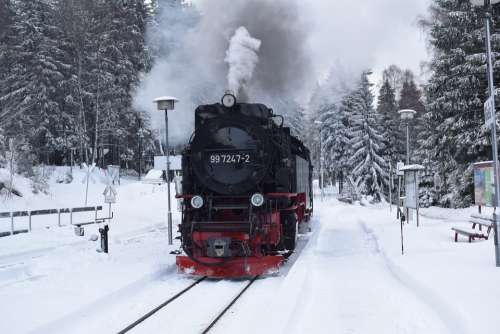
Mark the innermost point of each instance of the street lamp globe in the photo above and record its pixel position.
(407, 114)
(165, 102)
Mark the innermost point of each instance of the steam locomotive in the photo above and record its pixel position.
(246, 191)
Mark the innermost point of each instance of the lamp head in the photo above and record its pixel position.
(165, 102)
(407, 114)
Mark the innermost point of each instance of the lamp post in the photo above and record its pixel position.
(167, 103)
(320, 123)
(490, 108)
(406, 116)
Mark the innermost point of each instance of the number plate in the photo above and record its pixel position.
(229, 158)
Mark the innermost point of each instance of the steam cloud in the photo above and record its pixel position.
(242, 58)
(195, 70)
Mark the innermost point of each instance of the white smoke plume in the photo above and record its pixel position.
(242, 58)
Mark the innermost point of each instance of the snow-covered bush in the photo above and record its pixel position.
(64, 176)
(39, 180)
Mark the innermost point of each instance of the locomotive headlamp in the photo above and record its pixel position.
(257, 199)
(197, 202)
(228, 100)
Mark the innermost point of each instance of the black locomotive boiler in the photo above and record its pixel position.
(246, 191)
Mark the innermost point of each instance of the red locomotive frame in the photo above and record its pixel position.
(269, 235)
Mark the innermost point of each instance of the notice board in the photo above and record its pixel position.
(484, 184)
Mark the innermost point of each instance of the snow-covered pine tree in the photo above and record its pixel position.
(455, 96)
(369, 169)
(118, 57)
(31, 92)
(328, 104)
(293, 113)
(388, 111)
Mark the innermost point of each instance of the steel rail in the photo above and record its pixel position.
(159, 307)
(221, 314)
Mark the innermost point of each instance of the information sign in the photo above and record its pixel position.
(484, 184)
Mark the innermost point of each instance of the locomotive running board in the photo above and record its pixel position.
(237, 267)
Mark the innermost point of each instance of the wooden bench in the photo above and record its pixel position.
(476, 220)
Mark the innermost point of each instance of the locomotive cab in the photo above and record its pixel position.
(246, 188)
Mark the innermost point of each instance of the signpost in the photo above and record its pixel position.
(110, 194)
(489, 112)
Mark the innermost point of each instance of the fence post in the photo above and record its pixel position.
(71, 216)
(95, 216)
(11, 223)
(59, 217)
(29, 220)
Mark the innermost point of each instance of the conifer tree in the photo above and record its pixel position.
(387, 109)
(455, 96)
(32, 90)
(369, 169)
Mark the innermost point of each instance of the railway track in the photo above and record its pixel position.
(216, 319)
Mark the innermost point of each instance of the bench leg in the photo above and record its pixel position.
(470, 239)
(456, 237)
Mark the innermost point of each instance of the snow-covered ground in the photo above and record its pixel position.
(348, 275)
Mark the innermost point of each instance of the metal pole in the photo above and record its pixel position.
(398, 199)
(493, 134)
(12, 229)
(407, 142)
(407, 163)
(321, 162)
(169, 215)
(402, 238)
(390, 187)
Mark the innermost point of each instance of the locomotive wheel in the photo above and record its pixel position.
(290, 226)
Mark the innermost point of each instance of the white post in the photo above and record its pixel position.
(170, 241)
(491, 87)
(321, 163)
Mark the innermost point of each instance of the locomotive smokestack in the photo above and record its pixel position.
(242, 58)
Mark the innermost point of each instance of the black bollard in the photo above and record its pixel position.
(104, 238)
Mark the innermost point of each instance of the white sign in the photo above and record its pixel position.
(161, 162)
(109, 194)
(411, 189)
(399, 166)
(489, 112)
